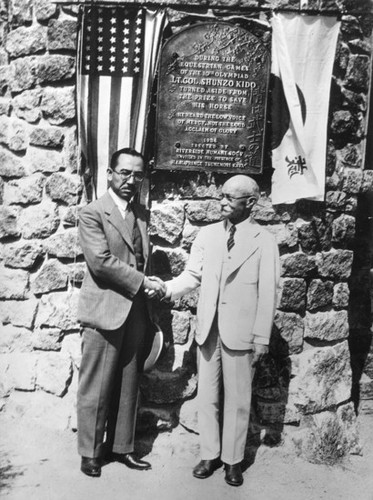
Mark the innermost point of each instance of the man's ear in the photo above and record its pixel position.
(250, 202)
(109, 173)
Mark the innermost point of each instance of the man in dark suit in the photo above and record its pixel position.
(114, 314)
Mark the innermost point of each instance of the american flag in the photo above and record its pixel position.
(118, 51)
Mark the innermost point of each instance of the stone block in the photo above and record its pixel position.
(351, 156)
(5, 106)
(24, 191)
(54, 373)
(21, 12)
(321, 378)
(58, 310)
(22, 74)
(188, 301)
(286, 236)
(203, 211)
(4, 79)
(14, 284)
(287, 336)
(39, 221)
(336, 200)
(329, 436)
(352, 180)
(44, 9)
(6, 386)
(335, 264)
(344, 127)
(54, 68)
(64, 244)
(69, 215)
(23, 253)
(9, 222)
(15, 339)
(43, 160)
(18, 313)
(263, 211)
(72, 346)
(326, 326)
(22, 371)
(10, 165)
(77, 271)
(50, 137)
(293, 294)
(343, 230)
(357, 73)
(297, 264)
(17, 136)
(341, 295)
(319, 294)
(64, 187)
(27, 105)
(71, 151)
(167, 221)
(168, 261)
(25, 41)
(52, 276)
(189, 235)
(62, 34)
(176, 326)
(307, 236)
(58, 105)
(366, 387)
(367, 181)
(165, 388)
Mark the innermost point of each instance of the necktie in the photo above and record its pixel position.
(230, 242)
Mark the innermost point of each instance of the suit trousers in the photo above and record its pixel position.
(108, 384)
(220, 367)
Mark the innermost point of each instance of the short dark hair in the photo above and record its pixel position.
(124, 151)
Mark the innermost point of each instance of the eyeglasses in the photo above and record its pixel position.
(126, 174)
(231, 199)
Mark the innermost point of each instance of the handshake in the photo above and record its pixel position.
(155, 287)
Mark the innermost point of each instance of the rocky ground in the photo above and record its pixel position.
(42, 464)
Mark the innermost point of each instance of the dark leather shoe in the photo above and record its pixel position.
(206, 468)
(233, 475)
(91, 466)
(131, 461)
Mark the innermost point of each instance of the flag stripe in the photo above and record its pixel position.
(125, 111)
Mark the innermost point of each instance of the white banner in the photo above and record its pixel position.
(303, 52)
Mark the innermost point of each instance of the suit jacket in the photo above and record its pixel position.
(246, 299)
(111, 280)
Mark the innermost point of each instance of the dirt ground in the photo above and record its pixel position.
(41, 464)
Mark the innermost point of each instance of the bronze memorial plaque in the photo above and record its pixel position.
(211, 110)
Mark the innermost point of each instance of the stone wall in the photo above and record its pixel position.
(305, 383)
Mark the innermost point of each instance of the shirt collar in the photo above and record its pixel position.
(240, 225)
(121, 204)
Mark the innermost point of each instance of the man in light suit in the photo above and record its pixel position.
(236, 264)
(114, 314)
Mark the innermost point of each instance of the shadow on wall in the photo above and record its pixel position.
(360, 304)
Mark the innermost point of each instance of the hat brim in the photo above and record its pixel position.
(155, 350)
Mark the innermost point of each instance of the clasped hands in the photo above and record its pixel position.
(154, 287)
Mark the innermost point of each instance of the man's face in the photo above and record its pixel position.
(235, 204)
(126, 177)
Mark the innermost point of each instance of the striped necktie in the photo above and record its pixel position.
(230, 242)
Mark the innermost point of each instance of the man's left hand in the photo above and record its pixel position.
(259, 351)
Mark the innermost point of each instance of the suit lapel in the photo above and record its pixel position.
(115, 218)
